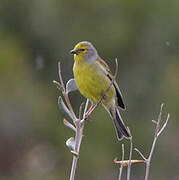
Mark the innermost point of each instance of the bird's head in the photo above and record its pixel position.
(85, 51)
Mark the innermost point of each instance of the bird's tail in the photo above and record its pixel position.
(120, 128)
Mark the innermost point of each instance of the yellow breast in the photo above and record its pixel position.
(92, 82)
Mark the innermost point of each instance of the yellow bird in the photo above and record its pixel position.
(93, 77)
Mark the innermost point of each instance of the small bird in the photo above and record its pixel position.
(93, 77)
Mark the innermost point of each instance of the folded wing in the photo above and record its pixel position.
(108, 73)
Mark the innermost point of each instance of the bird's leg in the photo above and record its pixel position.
(93, 106)
(90, 110)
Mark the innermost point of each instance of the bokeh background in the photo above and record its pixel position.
(36, 34)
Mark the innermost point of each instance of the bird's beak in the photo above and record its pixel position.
(74, 51)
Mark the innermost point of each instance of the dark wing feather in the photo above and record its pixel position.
(118, 94)
(110, 76)
(119, 97)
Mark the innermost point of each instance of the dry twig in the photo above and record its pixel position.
(121, 168)
(130, 157)
(158, 131)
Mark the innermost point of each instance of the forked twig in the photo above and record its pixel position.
(65, 94)
(158, 131)
(140, 154)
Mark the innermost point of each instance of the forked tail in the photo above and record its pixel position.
(120, 128)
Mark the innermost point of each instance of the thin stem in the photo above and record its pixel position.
(64, 91)
(116, 70)
(158, 121)
(73, 168)
(157, 133)
(60, 76)
(148, 160)
(86, 107)
(130, 157)
(78, 139)
(165, 124)
(140, 154)
(80, 111)
(121, 168)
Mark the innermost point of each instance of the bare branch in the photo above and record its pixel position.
(86, 107)
(130, 155)
(121, 168)
(125, 163)
(158, 121)
(80, 110)
(158, 131)
(72, 142)
(165, 124)
(143, 157)
(116, 70)
(58, 85)
(79, 124)
(60, 76)
(64, 91)
(69, 125)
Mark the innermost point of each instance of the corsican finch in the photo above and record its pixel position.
(93, 77)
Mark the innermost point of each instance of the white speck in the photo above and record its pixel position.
(39, 61)
(167, 43)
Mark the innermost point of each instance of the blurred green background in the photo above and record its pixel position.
(36, 34)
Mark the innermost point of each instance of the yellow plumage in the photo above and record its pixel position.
(93, 78)
(92, 82)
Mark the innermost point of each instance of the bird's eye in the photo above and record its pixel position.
(82, 49)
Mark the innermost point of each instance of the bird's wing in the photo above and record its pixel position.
(105, 66)
(108, 73)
